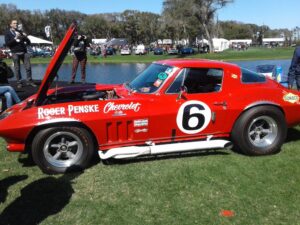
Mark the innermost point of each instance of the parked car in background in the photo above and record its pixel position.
(39, 52)
(158, 51)
(110, 51)
(172, 51)
(46, 53)
(125, 51)
(187, 51)
(140, 50)
(95, 51)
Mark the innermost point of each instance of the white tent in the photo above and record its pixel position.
(36, 40)
(268, 41)
(99, 41)
(244, 41)
(220, 44)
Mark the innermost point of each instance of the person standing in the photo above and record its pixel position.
(294, 70)
(17, 41)
(80, 45)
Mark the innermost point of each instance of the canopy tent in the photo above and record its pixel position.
(244, 41)
(99, 41)
(36, 40)
(117, 41)
(220, 44)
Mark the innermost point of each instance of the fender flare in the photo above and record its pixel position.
(59, 123)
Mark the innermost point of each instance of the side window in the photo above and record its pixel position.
(252, 77)
(203, 80)
(198, 80)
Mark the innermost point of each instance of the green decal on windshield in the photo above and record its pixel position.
(162, 76)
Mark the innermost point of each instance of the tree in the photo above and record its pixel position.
(60, 20)
(95, 26)
(180, 13)
(130, 25)
(237, 30)
(204, 11)
(176, 17)
(7, 12)
(149, 27)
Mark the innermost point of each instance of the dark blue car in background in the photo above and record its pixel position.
(187, 51)
(158, 51)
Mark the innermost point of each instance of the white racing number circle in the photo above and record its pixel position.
(193, 117)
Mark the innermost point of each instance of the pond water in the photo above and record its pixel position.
(120, 73)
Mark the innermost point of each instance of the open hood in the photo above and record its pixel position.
(55, 64)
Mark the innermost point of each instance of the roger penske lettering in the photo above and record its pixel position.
(70, 110)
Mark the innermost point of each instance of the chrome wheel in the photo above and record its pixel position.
(63, 149)
(263, 131)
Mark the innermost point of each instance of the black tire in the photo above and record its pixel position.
(62, 149)
(260, 131)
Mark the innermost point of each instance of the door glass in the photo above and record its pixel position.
(198, 80)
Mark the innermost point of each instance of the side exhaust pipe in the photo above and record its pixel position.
(152, 149)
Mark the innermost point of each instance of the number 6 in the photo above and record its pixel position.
(193, 117)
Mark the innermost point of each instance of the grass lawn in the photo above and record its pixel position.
(228, 55)
(179, 189)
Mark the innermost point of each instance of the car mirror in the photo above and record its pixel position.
(182, 92)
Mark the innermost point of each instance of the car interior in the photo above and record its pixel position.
(199, 80)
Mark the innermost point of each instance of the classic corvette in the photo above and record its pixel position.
(173, 106)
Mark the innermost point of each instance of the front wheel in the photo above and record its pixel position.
(260, 131)
(62, 149)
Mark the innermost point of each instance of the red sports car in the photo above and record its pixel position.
(173, 106)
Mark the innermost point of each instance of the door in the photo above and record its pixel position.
(200, 111)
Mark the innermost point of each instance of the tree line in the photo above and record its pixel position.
(180, 19)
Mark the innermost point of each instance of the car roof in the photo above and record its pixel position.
(183, 63)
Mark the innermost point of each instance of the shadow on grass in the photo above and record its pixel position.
(6, 183)
(39, 200)
(293, 134)
(26, 160)
(165, 157)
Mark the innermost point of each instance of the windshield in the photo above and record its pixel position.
(151, 79)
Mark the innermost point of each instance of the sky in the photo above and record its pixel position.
(273, 13)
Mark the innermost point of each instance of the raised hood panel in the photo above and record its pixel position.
(55, 64)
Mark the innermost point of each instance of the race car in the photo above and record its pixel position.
(175, 105)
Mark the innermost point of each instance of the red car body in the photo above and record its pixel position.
(121, 121)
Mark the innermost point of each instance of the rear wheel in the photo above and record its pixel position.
(260, 131)
(62, 149)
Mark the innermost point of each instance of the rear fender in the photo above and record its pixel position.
(256, 104)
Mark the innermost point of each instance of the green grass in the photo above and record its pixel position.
(228, 55)
(182, 189)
